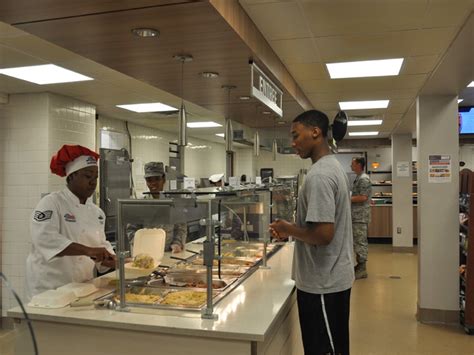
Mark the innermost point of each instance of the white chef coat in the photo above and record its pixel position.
(58, 220)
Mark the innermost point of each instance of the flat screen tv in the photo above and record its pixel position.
(466, 120)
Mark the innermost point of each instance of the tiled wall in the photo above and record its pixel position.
(32, 128)
(202, 158)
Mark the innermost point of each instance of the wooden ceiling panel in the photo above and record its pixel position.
(193, 28)
(21, 11)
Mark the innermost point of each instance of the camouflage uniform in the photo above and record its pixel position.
(361, 216)
(175, 233)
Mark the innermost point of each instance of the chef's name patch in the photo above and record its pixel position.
(69, 217)
(41, 216)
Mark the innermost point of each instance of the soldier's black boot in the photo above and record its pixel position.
(361, 271)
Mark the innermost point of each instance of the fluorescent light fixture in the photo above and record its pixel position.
(460, 100)
(44, 74)
(220, 135)
(148, 107)
(207, 124)
(366, 68)
(471, 85)
(362, 105)
(373, 133)
(364, 123)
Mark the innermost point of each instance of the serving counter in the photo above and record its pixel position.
(258, 317)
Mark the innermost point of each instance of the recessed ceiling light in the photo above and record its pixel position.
(364, 123)
(281, 122)
(145, 32)
(361, 105)
(460, 100)
(203, 124)
(266, 112)
(44, 74)
(220, 135)
(244, 98)
(366, 68)
(471, 84)
(209, 74)
(373, 133)
(148, 107)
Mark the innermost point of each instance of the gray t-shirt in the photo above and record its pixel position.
(324, 197)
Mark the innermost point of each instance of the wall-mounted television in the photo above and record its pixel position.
(466, 120)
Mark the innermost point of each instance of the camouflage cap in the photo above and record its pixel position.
(154, 168)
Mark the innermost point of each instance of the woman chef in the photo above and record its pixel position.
(67, 229)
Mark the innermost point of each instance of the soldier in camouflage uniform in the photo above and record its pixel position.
(361, 194)
(175, 233)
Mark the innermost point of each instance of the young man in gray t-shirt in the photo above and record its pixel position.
(322, 263)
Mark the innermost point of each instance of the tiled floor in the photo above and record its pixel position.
(383, 312)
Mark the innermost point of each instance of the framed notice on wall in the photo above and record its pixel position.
(439, 168)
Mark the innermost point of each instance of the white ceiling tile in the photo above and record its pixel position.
(308, 71)
(300, 50)
(279, 20)
(445, 13)
(350, 95)
(359, 86)
(386, 45)
(399, 106)
(420, 64)
(347, 17)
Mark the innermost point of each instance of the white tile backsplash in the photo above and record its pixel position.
(34, 127)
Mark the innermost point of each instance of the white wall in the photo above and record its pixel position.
(32, 128)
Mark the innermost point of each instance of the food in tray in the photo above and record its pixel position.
(229, 261)
(234, 270)
(185, 298)
(143, 261)
(139, 298)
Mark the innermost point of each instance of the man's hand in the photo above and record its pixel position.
(100, 255)
(176, 248)
(280, 229)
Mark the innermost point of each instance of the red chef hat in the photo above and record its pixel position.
(71, 158)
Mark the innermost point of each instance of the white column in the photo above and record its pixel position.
(438, 224)
(402, 201)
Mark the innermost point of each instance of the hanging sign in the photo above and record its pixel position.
(265, 90)
(439, 168)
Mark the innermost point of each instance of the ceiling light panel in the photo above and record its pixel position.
(460, 100)
(148, 107)
(358, 134)
(363, 69)
(471, 85)
(363, 105)
(208, 124)
(220, 135)
(364, 123)
(44, 74)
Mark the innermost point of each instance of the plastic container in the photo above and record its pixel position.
(79, 289)
(150, 241)
(52, 299)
